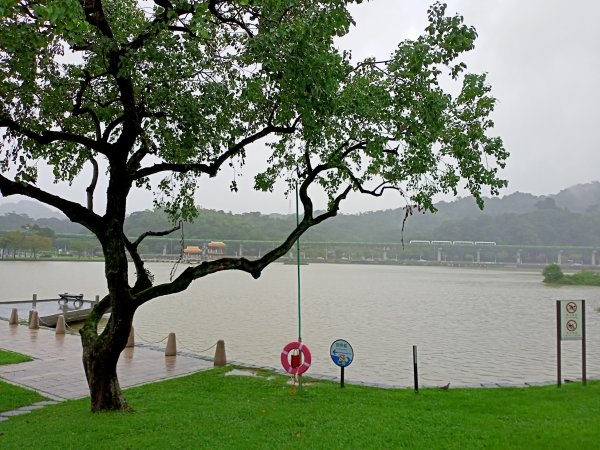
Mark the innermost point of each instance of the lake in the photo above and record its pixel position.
(471, 326)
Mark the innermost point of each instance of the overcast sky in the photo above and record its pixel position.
(542, 58)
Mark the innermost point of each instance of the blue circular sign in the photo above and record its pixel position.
(341, 353)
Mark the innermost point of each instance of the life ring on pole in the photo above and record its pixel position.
(299, 369)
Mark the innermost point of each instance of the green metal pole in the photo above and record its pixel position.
(298, 267)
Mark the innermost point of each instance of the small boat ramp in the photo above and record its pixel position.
(72, 306)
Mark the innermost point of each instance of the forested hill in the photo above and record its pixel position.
(571, 217)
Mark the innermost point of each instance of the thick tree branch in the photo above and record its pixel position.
(101, 308)
(166, 4)
(358, 146)
(213, 168)
(143, 280)
(111, 126)
(375, 192)
(146, 147)
(213, 8)
(167, 15)
(75, 212)
(254, 267)
(92, 187)
(179, 29)
(79, 110)
(94, 15)
(370, 63)
(48, 136)
(143, 236)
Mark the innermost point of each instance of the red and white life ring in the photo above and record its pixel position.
(307, 358)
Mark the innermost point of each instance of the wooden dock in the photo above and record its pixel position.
(78, 315)
(73, 309)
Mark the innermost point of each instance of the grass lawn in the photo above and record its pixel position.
(7, 357)
(13, 397)
(210, 410)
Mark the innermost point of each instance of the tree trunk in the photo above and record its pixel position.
(100, 357)
(100, 364)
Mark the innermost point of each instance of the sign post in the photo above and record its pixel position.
(342, 355)
(415, 369)
(570, 326)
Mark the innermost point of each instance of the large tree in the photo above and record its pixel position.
(158, 94)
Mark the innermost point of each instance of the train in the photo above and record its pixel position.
(424, 242)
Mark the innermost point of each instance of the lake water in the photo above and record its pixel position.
(471, 326)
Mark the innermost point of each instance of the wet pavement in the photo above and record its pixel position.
(57, 371)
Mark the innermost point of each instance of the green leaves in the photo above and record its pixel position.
(180, 91)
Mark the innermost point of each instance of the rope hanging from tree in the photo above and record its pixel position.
(181, 252)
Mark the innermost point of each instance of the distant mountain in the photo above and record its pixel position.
(30, 208)
(570, 217)
(579, 198)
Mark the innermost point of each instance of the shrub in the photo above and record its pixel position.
(552, 273)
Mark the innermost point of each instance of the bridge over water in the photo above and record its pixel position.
(560, 254)
(440, 251)
(431, 251)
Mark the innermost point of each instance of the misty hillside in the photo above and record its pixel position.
(33, 209)
(570, 217)
(579, 198)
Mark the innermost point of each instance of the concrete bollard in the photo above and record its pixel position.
(34, 320)
(130, 339)
(171, 349)
(60, 325)
(220, 357)
(14, 317)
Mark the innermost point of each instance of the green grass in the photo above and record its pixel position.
(553, 274)
(13, 397)
(7, 357)
(581, 279)
(210, 410)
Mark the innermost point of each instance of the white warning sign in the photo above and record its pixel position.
(571, 320)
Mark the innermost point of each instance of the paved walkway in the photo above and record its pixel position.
(57, 370)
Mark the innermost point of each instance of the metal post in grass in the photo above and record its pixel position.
(415, 369)
(298, 277)
(570, 326)
(583, 346)
(342, 355)
(558, 355)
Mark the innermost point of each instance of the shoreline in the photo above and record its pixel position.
(410, 263)
(319, 376)
(350, 381)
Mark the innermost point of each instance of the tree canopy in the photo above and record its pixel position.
(157, 94)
